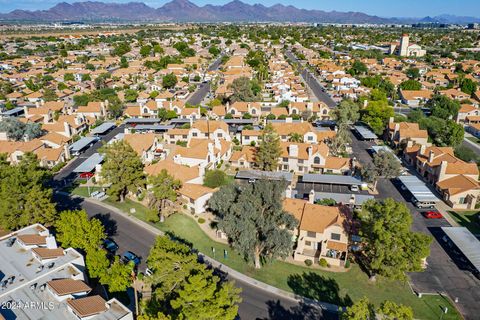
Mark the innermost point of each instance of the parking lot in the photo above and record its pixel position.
(305, 188)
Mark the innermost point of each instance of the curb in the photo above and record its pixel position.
(233, 273)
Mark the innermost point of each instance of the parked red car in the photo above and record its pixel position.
(86, 175)
(433, 215)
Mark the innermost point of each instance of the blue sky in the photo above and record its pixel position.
(385, 8)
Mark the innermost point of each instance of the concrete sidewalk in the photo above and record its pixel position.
(216, 264)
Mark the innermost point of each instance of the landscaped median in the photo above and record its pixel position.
(339, 288)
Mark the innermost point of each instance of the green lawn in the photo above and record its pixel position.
(468, 219)
(338, 288)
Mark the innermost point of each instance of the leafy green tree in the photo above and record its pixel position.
(121, 48)
(387, 165)
(269, 149)
(254, 220)
(413, 73)
(392, 311)
(338, 144)
(202, 296)
(75, 229)
(131, 95)
(118, 276)
(49, 95)
(443, 107)
(346, 112)
(410, 85)
(145, 51)
(468, 86)
(164, 189)
(214, 51)
(97, 262)
(169, 80)
(357, 68)
(391, 249)
(25, 197)
(122, 168)
(215, 178)
(165, 114)
(376, 115)
(295, 137)
(443, 132)
(123, 62)
(171, 264)
(32, 131)
(244, 90)
(86, 77)
(14, 128)
(360, 310)
(68, 77)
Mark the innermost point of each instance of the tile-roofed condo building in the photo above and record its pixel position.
(49, 280)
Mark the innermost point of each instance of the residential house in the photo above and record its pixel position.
(400, 132)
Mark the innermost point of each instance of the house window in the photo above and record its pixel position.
(294, 111)
(247, 138)
(219, 135)
(308, 243)
(285, 159)
(194, 134)
(232, 111)
(336, 236)
(316, 160)
(311, 234)
(284, 137)
(184, 136)
(285, 167)
(254, 111)
(310, 138)
(300, 161)
(242, 163)
(461, 200)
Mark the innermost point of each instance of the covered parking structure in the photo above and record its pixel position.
(264, 175)
(90, 164)
(326, 183)
(103, 129)
(420, 192)
(365, 133)
(466, 242)
(82, 145)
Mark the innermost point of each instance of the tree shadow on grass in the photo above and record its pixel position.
(302, 311)
(317, 287)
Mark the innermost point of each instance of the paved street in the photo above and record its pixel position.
(257, 303)
(313, 83)
(67, 172)
(442, 274)
(203, 89)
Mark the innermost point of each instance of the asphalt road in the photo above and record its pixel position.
(257, 303)
(67, 175)
(444, 273)
(204, 88)
(313, 83)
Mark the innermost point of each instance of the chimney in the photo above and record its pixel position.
(310, 106)
(67, 129)
(443, 168)
(311, 196)
(288, 192)
(37, 104)
(293, 150)
(210, 148)
(51, 242)
(67, 152)
(431, 156)
(422, 149)
(391, 120)
(409, 143)
(310, 151)
(217, 144)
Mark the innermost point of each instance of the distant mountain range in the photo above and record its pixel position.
(186, 11)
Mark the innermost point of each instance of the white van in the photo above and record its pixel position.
(423, 204)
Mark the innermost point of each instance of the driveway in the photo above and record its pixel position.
(442, 275)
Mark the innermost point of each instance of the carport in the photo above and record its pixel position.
(326, 183)
(82, 144)
(103, 128)
(267, 175)
(466, 242)
(365, 133)
(418, 189)
(89, 164)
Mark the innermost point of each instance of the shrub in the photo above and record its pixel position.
(347, 264)
(308, 262)
(152, 216)
(323, 263)
(201, 220)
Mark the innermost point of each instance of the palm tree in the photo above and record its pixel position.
(296, 137)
